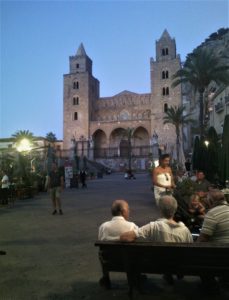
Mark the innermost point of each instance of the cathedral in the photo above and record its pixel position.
(95, 126)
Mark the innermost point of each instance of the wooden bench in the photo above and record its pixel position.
(197, 259)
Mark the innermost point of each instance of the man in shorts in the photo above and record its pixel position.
(55, 186)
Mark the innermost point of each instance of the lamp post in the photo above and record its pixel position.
(206, 143)
(155, 147)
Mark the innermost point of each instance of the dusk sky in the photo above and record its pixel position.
(37, 38)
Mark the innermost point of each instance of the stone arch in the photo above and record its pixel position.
(118, 142)
(141, 137)
(100, 142)
(116, 136)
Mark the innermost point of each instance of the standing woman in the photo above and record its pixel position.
(163, 178)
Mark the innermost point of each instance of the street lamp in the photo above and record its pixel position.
(206, 143)
(24, 146)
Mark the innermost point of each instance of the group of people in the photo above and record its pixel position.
(164, 183)
(214, 221)
(165, 229)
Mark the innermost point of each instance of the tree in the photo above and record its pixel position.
(195, 154)
(21, 135)
(175, 116)
(212, 166)
(51, 137)
(129, 134)
(202, 67)
(224, 153)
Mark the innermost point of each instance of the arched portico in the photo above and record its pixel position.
(100, 143)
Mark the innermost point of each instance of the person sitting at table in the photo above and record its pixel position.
(202, 188)
(196, 211)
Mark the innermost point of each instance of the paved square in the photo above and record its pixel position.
(53, 257)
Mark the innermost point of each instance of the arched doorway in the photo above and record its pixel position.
(100, 143)
(141, 142)
(118, 142)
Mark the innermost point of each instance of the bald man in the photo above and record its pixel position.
(111, 230)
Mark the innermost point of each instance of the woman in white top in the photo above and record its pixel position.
(163, 178)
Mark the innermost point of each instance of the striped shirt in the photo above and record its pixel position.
(216, 224)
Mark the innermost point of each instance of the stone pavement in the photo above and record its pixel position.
(53, 257)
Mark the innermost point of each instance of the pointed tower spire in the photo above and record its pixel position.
(165, 35)
(81, 51)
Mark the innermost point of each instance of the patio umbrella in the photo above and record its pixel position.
(224, 153)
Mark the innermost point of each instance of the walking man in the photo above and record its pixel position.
(55, 186)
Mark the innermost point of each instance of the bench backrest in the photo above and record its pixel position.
(148, 257)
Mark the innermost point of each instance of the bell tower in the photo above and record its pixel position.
(81, 89)
(162, 69)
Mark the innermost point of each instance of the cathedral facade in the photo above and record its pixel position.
(96, 125)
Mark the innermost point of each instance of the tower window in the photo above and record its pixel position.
(75, 117)
(77, 66)
(164, 51)
(76, 85)
(165, 74)
(75, 100)
(165, 91)
(165, 107)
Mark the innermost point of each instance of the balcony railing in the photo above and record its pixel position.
(219, 107)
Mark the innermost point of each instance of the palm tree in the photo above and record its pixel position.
(202, 67)
(129, 134)
(175, 116)
(21, 135)
(51, 137)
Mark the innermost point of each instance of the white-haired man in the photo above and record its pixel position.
(165, 229)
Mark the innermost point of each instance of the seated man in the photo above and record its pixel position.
(202, 188)
(165, 229)
(216, 222)
(111, 230)
(215, 229)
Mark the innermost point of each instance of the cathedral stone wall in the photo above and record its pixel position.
(103, 121)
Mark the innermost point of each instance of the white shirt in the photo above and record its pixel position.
(164, 231)
(111, 230)
(5, 182)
